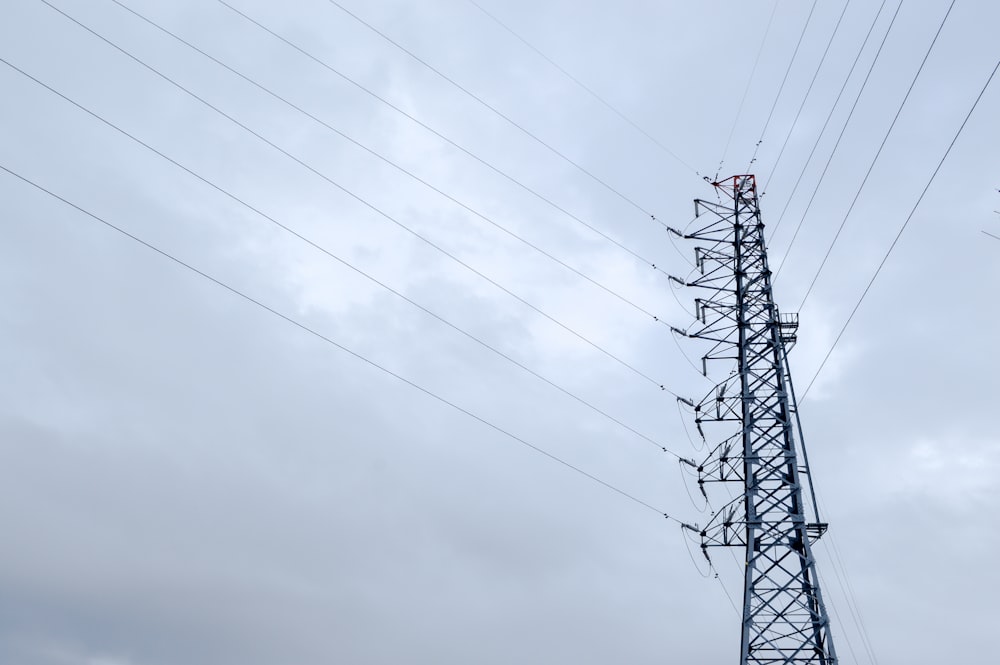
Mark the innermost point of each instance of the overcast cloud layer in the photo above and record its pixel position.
(188, 479)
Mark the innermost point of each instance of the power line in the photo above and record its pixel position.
(871, 166)
(784, 79)
(991, 235)
(829, 117)
(840, 573)
(487, 105)
(854, 598)
(728, 595)
(332, 342)
(452, 143)
(371, 206)
(746, 90)
(902, 228)
(841, 622)
(391, 163)
(584, 86)
(849, 594)
(343, 261)
(836, 144)
(850, 598)
(819, 67)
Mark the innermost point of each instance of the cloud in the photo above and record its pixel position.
(187, 478)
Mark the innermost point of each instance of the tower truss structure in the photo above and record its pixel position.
(752, 418)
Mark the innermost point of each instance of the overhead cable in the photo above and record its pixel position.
(871, 166)
(583, 86)
(489, 106)
(746, 90)
(855, 617)
(770, 115)
(836, 145)
(829, 116)
(391, 163)
(899, 234)
(344, 262)
(541, 197)
(852, 599)
(371, 206)
(805, 98)
(329, 340)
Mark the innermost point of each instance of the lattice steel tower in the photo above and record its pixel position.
(753, 416)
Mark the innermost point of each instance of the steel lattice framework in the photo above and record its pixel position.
(752, 413)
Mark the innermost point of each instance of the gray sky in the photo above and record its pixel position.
(188, 479)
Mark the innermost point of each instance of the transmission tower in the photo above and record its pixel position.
(753, 416)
